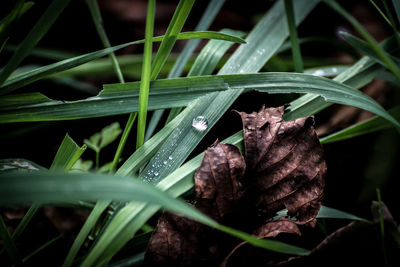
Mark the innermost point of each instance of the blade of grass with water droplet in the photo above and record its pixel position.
(206, 19)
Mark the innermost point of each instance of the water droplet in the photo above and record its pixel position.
(200, 123)
(318, 73)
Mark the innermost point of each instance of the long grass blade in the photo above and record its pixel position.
(396, 5)
(98, 22)
(365, 48)
(50, 187)
(296, 53)
(368, 126)
(146, 74)
(34, 36)
(123, 98)
(9, 244)
(67, 154)
(90, 222)
(368, 38)
(17, 81)
(357, 76)
(168, 89)
(40, 249)
(208, 16)
(7, 23)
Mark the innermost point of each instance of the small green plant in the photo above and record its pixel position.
(125, 193)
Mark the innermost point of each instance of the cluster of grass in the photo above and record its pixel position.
(115, 191)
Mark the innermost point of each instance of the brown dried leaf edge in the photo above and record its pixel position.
(285, 169)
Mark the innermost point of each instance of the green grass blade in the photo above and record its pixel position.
(122, 142)
(368, 38)
(211, 54)
(331, 213)
(25, 221)
(85, 230)
(357, 76)
(7, 23)
(175, 92)
(38, 31)
(51, 187)
(396, 5)
(208, 16)
(382, 226)
(381, 12)
(28, 77)
(135, 260)
(44, 53)
(368, 126)
(146, 74)
(98, 22)
(9, 244)
(296, 53)
(67, 154)
(149, 148)
(327, 71)
(204, 64)
(40, 249)
(174, 28)
(366, 50)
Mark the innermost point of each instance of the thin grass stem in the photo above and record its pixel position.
(146, 73)
(294, 40)
(382, 225)
(98, 22)
(368, 38)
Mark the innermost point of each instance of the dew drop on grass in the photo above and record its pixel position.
(200, 123)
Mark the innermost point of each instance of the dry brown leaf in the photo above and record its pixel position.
(287, 164)
(285, 169)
